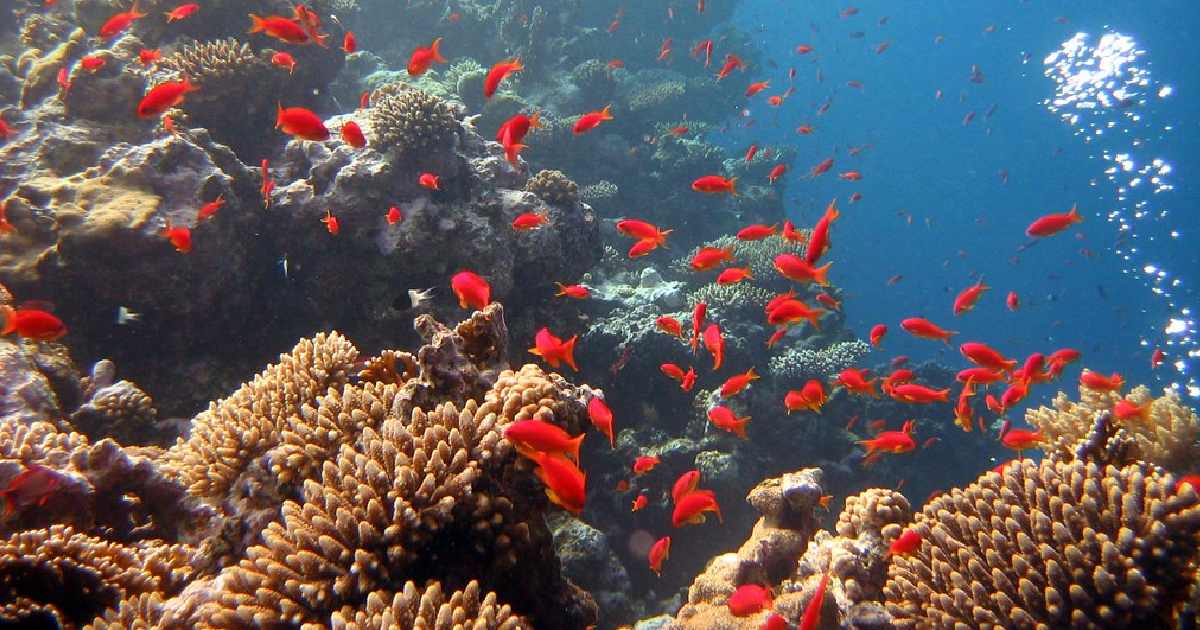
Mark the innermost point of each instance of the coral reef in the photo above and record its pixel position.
(411, 122)
(801, 363)
(1167, 436)
(553, 187)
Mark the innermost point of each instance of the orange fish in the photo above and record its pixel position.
(678, 131)
(31, 323)
(963, 413)
(823, 166)
(1156, 358)
(877, 333)
(734, 275)
(1127, 410)
(804, 130)
(737, 383)
(352, 135)
(723, 418)
(1060, 359)
(639, 503)
(818, 241)
(531, 436)
(669, 325)
(775, 100)
(394, 215)
(659, 551)
(499, 71)
(690, 508)
(715, 184)
(810, 397)
(979, 375)
(423, 58)
(162, 97)
(795, 268)
(791, 312)
(472, 290)
(591, 120)
(179, 237)
(776, 172)
(984, 355)
(689, 380)
(791, 234)
(905, 544)
(554, 350)
(698, 313)
(147, 56)
(430, 181)
(210, 209)
(919, 394)
(850, 176)
(828, 300)
(32, 486)
(732, 62)
(687, 483)
(714, 342)
(182, 12)
(121, 21)
(709, 258)
(645, 464)
(969, 296)
(664, 51)
(757, 232)
(1052, 224)
(267, 183)
(349, 42)
(5, 226)
(282, 28)
(673, 371)
(895, 378)
(284, 60)
(573, 291)
(531, 220)
(63, 79)
(515, 128)
(894, 442)
(602, 418)
(643, 247)
(566, 485)
(92, 63)
(748, 599)
(642, 230)
(921, 327)
(1032, 371)
(1100, 382)
(812, 610)
(1021, 439)
(1013, 302)
(757, 87)
(856, 381)
(331, 223)
(301, 123)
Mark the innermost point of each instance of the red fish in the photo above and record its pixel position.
(566, 485)
(698, 313)
(352, 135)
(1156, 358)
(554, 350)
(573, 291)
(642, 248)
(731, 63)
(829, 300)
(1060, 359)
(714, 342)
(349, 42)
(659, 551)
(639, 503)
(147, 56)
(794, 268)
(968, 297)
(963, 412)
(182, 12)
(734, 385)
(5, 226)
(669, 325)
(979, 375)
(822, 167)
(92, 63)
(498, 73)
(709, 258)
(877, 333)
(591, 120)
(804, 130)
(282, 28)
(642, 230)
(1021, 439)
(645, 464)
(513, 130)
(1100, 382)
(715, 184)
(284, 60)
(1051, 224)
(32, 486)
(267, 183)
(908, 542)
(64, 79)
(664, 51)
(984, 355)
(472, 290)
(32, 323)
(803, 49)
(775, 100)
(533, 436)
(818, 241)
(430, 181)
(757, 87)
(689, 380)
(678, 131)
(751, 152)
(394, 215)
(209, 209)
(791, 234)
(723, 418)
(423, 58)
(748, 599)
(812, 610)
(921, 327)
(894, 442)
(331, 223)
(530, 220)
(850, 176)
(919, 394)
(756, 232)
(673, 371)
(789, 312)
(1188, 480)
(810, 397)
(162, 97)
(301, 123)
(857, 382)
(734, 275)
(687, 483)
(776, 172)
(690, 508)
(1013, 302)
(1126, 410)
(602, 418)
(1032, 371)
(706, 47)
(179, 237)
(121, 21)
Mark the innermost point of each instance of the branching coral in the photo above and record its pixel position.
(743, 301)
(431, 608)
(553, 187)
(411, 122)
(1167, 437)
(758, 255)
(806, 363)
(1050, 544)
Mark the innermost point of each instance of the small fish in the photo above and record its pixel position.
(573, 291)
(591, 120)
(602, 418)
(1100, 382)
(533, 436)
(639, 503)
(499, 71)
(736, 384)
(748, 599)
(1013, 302)
(209, 210)
(530, 220)
(554, 350)
(472, 290)
(709, 258)
(686, 483)
(691, 507)
(906, 543)
(645, 464)
(352, 135)
(818, 241)
(850, 176)
(349, 42)
(64, 79)
(915, 394)
(118, 23)
(32, 486)
(734, 275)
(714, 342)
(723, 418)
(394, 215)
(423, 58)
(429, 180)
(921, 327)
(757, 232)
(566, 484)
(182, 12)
(669, 325)
(755, 88)
(1156, 358)
(812, 610)
(301, 123)
(162, 97)
(659, 552)
(126, 315)
(810, 397)
(180, 237)
(894, 442)
(715, 184)
(31, 323)
(284, 60)
(797, 269)
(776, 172)
(877, 333)
(1126, 410)
(1021, 439)
(856, 381)
(968, 297)
(92, 63)
(331, 223)
(147, 56)
(1051, 224)
(282, 28)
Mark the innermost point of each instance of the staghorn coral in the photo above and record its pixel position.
(430, 607)
(553, 187)
(598, 191)
(121, 411)
(1168, 437)
(806, 363)
(411, 122)
(1050, 544)
(743, 301)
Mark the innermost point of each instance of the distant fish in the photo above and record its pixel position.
(125, 316)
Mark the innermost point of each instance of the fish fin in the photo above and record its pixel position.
(435, 48)
(575, 444)
(821, 274)
(733, 186)
(256, 24)
(10, 319)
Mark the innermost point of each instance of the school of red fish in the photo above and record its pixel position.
(992, 375)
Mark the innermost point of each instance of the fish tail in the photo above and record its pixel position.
(815, 320)
(606, 113)
(10, 320)
(435, 48)
(512, 151)
(821, 274)
(256, 24)
(1073, 214)
(574, 446)
(733, 186)
(568, 352)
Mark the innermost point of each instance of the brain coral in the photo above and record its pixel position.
(1050, 545)
(410, 121)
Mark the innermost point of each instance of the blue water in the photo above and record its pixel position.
(923, 162)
